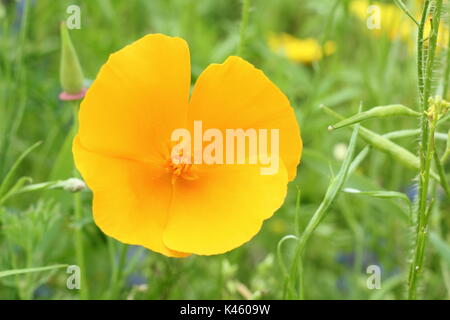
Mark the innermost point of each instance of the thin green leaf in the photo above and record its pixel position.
(8, 273)
(7, 180)
(358, 159)
(382, 194)
(402, 6)
(15, 189)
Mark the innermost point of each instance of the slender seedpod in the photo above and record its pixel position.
(397, 152)
(391, 148)
(383, 194)
(71, 73)
(377, 112)
(381, 143)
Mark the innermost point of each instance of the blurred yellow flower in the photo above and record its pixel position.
(443, 34)
(295, 49)
(393, 22)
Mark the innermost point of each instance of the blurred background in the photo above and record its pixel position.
(317, 52)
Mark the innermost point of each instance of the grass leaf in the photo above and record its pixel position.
(9, 176)
(13, 272)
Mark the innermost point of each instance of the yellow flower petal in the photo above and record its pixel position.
(236, 95)
(131, 199)
(139, 97)
(222, 209)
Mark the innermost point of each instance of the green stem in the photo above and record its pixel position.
(113, 264)
(244, 23)
(333, 190)
(423, 218)
(431, 54)
(78, 217)
(301, 280)
(420, 52)
(118, 280)
(79, 247)
(426, 146)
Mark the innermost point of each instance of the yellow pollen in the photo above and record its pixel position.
(180, 167)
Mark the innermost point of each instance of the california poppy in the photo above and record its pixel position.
(123, 149)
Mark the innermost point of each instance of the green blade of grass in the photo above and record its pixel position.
(383, 194)
(13, 272)
(9, 176)
(402, 6)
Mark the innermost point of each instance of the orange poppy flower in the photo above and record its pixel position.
(123, 149)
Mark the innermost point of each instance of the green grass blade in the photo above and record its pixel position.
(402, 6)
(14, 272)
(382, 194)
(9, 176)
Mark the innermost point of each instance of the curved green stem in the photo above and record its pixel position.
(428, 127)
(333, 191)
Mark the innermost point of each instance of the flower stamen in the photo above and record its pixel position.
(180, 165)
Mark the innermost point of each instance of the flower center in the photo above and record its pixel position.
(181, 166)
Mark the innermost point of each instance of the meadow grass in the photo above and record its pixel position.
(373, 191)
